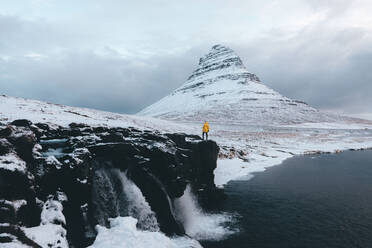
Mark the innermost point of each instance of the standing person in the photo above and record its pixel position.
(205, 130)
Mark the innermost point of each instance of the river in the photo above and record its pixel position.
(315, 201)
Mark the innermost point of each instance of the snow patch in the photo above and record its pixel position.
(50, 232)
(49, 235)
(51, 160)
(12, 162)
(124, 233)
(235, 169)
(52, 213)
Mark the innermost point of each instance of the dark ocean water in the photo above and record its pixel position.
(309, 201)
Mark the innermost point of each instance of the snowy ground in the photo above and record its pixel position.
(256, 148)
(12, 108)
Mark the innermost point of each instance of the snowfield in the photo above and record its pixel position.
(12, 108)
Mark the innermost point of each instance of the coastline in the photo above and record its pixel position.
(237, 169)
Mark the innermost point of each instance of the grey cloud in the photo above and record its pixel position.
(122, 57)
(333, 7)
(78, 75)
(86, 79)
(327, 68)
(19, 36)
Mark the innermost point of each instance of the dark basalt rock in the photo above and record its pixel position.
(37, 131)
(120, 154)
(14, 185)
(208, 152)
(43, 126)
(7, 212)
(6, 131)
(24, 145)
(156, 195)
(5, 146)
(113, 137)
(83, 162)
(77, 125)
(21, 123)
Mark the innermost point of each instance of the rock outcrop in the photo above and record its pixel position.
(71, 179)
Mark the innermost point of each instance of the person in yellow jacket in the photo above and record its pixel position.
(205, 130)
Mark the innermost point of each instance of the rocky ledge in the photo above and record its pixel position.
(63, 181)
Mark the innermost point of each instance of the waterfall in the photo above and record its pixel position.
(199, 224)
(115, 195)
(137, 206)
(104, 197)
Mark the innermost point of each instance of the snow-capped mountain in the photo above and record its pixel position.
(221, 89)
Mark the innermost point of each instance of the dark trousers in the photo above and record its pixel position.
(206, 135)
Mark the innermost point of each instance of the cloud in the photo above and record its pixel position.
(86, 79)
(322, 63)
(122, 56)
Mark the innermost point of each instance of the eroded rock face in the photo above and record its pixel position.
(85, 170)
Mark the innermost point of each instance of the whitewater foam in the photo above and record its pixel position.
(199, 224)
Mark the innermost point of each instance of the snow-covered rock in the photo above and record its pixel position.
(221, 89)
(50, 232)
(48, 235)
(13, 163)
(52, 213)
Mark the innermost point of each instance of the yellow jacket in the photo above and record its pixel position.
(205, 127)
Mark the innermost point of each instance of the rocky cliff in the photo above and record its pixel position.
(61, 182)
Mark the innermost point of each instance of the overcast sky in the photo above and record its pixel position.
(121, 55)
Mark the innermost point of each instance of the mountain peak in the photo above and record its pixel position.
(221, 89)
(220, 60)
(220, 53)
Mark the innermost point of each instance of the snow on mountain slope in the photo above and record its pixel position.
(221, 89)
(12, 108)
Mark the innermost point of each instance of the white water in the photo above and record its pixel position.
(199, 224)
(104, 196)
(137, 204)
